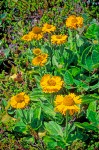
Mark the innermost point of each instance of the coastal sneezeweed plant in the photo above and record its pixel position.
(51, 84)
(66, 105)
(20, 100)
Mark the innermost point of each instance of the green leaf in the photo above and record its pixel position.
(91, 113)
(50, 142)
(53, 128)
(37, 113)
(54, 60)
(96, 86)
(89, 98)
(75, 71)
(68, 78)
(85, 52)
(79, 40)
(86, 126)
(49, 110)
(89, 63)
(20, 127)
(92, 31)
(95, 57)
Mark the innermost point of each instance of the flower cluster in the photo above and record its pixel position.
(20, 100)
(51, 84)
(35, 34)
(40, 59)
(74, 22)
(67, 103)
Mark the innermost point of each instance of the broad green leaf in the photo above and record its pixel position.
(49, 110)
(20, 127)
(79, 40)
(95, 57)
(86, 126)
(50, 142)
(53, 128)
(89, 63)
(54, 60)
(75, 71)
(68, 78)
(92, 31)
(37, 113)
(96, 86)
(91, 112)
(85, 52)
(89, 98)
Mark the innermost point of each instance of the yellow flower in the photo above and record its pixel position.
(27, 37)
(79, 21)
(58, 39)
(67, 103)
(20, 100)
(40, 60)
(51, 84)
(37, 51)
(47, 28)
(36, 33)
(73, 22)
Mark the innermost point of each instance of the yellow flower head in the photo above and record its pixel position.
(40, 60)
(73, 22)
(67, 103)
(51, 84)
(37, 51)
(36, 33)
(47, 28)
(27, 37)
(58, 39)
(79, 21)
(20, 100)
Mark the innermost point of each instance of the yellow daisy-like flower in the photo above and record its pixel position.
(40, 60)
(37, 51)
(79, 21)
(73, 22)
(67, 103)
(20, 100)
(37, 33)
(51, 84)
(47, 28)
(27, 37)
(58, 39)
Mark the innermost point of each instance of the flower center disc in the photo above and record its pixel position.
(58, 37)
(68, 101)
(37, 30)
(19, 98)
(51, 82)
(48, 26)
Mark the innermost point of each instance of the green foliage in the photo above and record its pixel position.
(39, 126)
